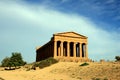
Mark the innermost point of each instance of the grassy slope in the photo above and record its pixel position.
(94, 71)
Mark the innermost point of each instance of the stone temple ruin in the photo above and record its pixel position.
(66, 46)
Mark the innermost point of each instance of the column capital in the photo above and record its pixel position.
(55, 41)
(68, 41)
(86, 43)
(62, 41)
(74, 43)
(81, 42)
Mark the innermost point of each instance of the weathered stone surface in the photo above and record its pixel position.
(66, 46)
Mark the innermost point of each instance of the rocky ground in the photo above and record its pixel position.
(66, 71)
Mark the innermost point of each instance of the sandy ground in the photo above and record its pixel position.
(66, 71)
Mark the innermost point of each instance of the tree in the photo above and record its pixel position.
(5, 62)
(117, 58)
(16, 59)
(13, 61)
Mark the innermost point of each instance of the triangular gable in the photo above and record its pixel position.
(70, 34)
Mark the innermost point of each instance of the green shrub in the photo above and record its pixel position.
(1, 78)
(117, 58)
(96, 79)
(28, 69)
(13, 61)
(84, 64)
(105, 79)
(45, 63)
(5, 62)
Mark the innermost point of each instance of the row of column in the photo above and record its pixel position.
(45, 51)
(72, 49)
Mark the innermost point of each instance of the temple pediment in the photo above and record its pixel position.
(70, 34)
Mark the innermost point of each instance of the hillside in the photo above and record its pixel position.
(67, 71)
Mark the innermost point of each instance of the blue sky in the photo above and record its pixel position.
(26, 24)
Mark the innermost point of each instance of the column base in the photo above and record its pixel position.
(72, 59)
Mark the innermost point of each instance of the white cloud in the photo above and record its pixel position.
(32, 25)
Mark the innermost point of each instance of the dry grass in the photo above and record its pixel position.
(67, 71)
(94, 71)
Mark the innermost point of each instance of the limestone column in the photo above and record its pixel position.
(74, 49)
(50, 50)
(86, 48)
(59, 51)
(80, 45)
(68, 49)
(55, 48)
(61, 46)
